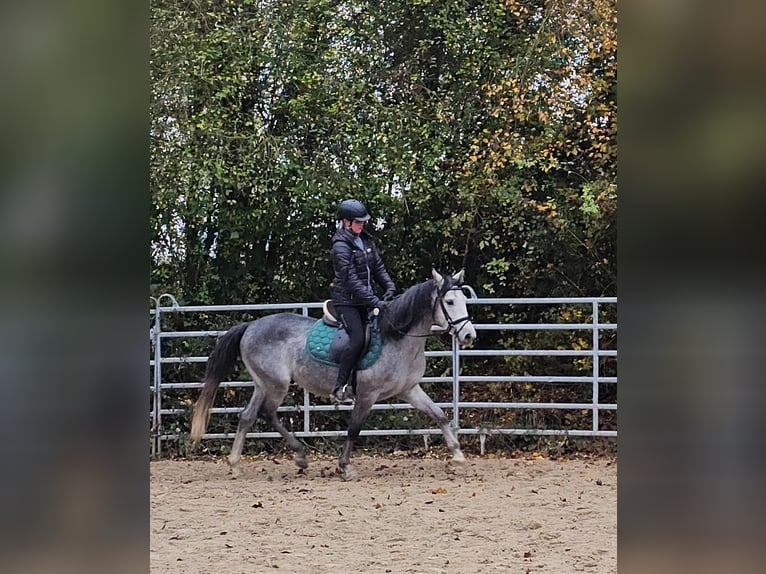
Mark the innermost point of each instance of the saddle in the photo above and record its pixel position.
(327, 338)
(328, 314)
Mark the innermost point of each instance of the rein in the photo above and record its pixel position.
(452, 323)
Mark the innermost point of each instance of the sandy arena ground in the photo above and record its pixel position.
(404, 515)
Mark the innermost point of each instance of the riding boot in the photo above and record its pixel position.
(345, 385)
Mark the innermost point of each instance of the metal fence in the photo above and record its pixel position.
(578, 320)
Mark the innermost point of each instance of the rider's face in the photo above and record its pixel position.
(356, 226)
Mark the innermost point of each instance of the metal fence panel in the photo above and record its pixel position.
(161, 428)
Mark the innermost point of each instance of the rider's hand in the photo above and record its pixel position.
(388, 295)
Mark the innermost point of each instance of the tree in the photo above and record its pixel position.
(482, 134)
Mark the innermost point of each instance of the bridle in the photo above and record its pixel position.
(451, 323)
(452, 328)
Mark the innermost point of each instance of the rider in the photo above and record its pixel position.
(357, 264)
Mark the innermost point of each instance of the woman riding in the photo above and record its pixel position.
(357, 264)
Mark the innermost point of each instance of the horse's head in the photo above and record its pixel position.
(450, 308)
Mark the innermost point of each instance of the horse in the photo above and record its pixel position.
(273, 349)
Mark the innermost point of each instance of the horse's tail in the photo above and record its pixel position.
(221, 362)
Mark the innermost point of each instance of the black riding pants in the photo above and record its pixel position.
(355, 320)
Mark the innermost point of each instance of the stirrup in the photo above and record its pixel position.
(342, 395)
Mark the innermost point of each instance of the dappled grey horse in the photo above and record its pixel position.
(273, 348)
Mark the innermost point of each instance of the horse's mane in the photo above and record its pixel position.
(409, 308)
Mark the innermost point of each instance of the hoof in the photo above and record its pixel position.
(458, 458)
(301, 461)
(347, 474)
(234, 469)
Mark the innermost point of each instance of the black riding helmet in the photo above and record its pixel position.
(352, 209)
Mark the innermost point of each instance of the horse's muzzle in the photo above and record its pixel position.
(466, 335)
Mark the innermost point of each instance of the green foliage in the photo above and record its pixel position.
(482, 132)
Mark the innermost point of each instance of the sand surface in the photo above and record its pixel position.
(404, 514)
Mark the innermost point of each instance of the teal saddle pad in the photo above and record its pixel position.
(319, 344)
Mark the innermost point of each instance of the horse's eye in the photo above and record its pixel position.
(450, 302)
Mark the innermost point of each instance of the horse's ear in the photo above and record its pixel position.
(438, 278)
(458, 277)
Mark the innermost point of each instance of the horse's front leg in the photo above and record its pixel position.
(418, 398)
(359, 414)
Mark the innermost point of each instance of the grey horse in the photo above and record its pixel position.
(273, 348)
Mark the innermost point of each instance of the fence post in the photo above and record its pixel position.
(155, 336)
(306, 396)
(157, 423)
(456, 369)
(455, 384)
(595, 365)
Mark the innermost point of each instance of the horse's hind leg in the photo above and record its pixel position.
(417, 397)
(259, 405)
(269, 413)
(246, 420)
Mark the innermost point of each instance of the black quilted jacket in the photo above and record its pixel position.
(356, 270)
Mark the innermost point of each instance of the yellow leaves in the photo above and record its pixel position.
(528, 186)
(439, 490)
(572, 314)
(549, 209)
(516, 8)
(542, 207)
(580, 344)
